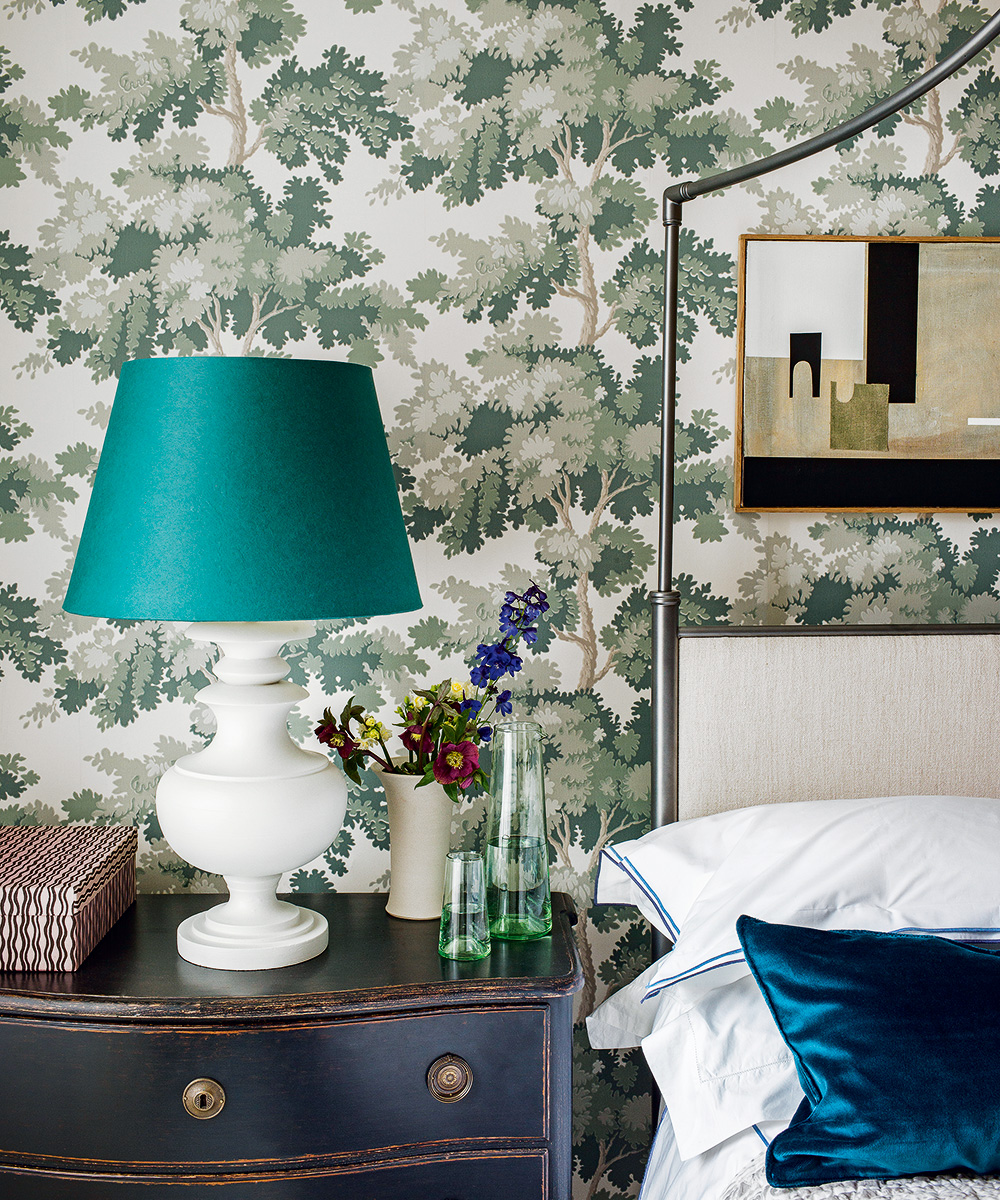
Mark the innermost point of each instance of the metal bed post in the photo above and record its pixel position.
(665, 600)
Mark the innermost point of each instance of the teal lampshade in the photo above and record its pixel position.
(243, 489)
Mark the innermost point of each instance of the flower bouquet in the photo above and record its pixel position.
(443, 727)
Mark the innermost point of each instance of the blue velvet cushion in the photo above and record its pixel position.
(896, 1038)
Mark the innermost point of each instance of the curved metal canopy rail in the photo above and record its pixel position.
(665, 601)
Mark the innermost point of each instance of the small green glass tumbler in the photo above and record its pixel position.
(465, 933)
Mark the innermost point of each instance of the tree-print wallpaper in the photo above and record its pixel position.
(465, 196)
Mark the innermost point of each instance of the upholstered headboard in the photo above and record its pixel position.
(771, 715)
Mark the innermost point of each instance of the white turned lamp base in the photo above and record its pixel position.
(251, 805)
(252, 926)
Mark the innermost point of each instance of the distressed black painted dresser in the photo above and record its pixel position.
(377, 1071)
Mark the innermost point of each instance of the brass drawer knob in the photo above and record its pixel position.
(204, 1098)
(449, 1078)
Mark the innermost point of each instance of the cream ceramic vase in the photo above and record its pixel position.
(419, 840)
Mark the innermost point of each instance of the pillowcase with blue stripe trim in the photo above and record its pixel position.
(896, 1040)
(663, 873)
(839, 864)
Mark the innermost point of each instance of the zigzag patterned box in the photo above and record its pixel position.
(62, 887)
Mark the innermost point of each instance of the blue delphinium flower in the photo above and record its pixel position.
(508, 621)
(497, 659)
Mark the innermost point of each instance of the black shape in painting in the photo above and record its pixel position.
(807, 348)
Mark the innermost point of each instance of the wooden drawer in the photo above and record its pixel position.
(512, 1175)
(294, 1093)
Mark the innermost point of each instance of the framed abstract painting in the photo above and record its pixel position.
(868, 374)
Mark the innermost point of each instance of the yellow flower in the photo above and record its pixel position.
(374, 730)
(416, 703)
(457, 690)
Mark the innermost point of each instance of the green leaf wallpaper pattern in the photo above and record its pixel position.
(463, 195)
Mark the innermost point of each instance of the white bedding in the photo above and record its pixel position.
(734, 1170)
(706, 1176)
(720, 1061)
(750, 1184)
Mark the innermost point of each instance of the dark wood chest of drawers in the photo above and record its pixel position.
(338, 1076)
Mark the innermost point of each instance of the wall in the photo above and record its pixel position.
(464, 196)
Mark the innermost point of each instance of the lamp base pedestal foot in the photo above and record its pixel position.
(253, 931)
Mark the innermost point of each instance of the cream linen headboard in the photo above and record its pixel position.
(780, 714)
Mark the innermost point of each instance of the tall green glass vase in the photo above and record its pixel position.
(517, 857)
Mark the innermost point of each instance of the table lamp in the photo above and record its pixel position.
(250, 496)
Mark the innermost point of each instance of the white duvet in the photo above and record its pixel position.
(734, 1170)
(750, 1184)
(705, 1176)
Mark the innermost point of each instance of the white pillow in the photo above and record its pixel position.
(720, 1064)
(915, 864)
(717, 1058)
(663, 873)
(809, 856)
(623, 1020)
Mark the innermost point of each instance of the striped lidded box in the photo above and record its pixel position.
(62, 887)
